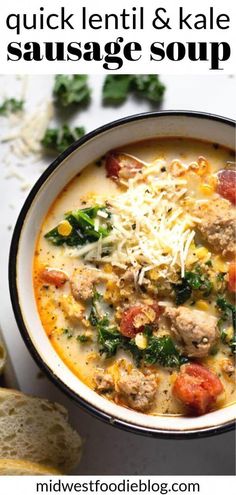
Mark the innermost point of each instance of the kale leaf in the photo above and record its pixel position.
(109, 338)
(183, 292)
(70, 90)
(228, 311)
(83, 227)
(82, 338)
(199, 281)
(148, 87)
(11, 105)
(116, 88)
(162, 350)
(58, 139)
(192, 281)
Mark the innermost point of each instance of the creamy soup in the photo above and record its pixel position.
(135, 276)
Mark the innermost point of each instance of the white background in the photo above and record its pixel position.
(146, 37)
(107, 450)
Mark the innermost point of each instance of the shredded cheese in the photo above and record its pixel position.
(26, 138)
(151, 226)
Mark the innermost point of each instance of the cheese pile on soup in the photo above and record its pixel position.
(135, 276)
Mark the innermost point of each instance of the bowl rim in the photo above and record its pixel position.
(12, 278)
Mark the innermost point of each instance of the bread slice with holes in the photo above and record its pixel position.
(18, 467)
(37, 430)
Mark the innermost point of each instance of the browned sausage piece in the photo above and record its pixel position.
(137, 390)
(194, 330)
(218, 225)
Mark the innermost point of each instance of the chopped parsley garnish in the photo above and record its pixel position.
(11, 105)
(82, 224)
(58, 139)
(116, 88)
(69, 90)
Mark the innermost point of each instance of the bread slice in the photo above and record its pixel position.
(18, 467)
(37, 430)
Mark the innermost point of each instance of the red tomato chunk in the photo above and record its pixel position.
(197, 387)
(134, 319)
(232, 277)
(121, 165)
(227, 185)
(54, 277)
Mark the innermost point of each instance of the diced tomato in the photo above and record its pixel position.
(232, 277)
(117, 163)
(197, 387)
(227, 185)
(129, 327)
(54, 277)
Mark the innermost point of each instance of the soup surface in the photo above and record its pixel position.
(135, 276)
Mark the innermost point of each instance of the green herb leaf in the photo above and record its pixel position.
(70, 90)
(11, 105)
(83, 227)
(162, 350)
(82, 338)
(199, 281)
(57, 140)
(109, 338)
(148, 87)
(94, 316)
(228, 311)
(68, 333)
(116, 88)
(183, 292)
(192, 281)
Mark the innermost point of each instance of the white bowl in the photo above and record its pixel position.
(95, 144)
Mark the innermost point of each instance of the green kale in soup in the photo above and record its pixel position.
(83, 228)
(193, 282)
(228, 312)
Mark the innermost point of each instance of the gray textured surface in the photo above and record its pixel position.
(109, 450)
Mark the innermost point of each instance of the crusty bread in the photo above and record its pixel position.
(2, 356)
(37, 430)
(18, 467)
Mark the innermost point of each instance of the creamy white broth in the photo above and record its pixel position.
(83, 358)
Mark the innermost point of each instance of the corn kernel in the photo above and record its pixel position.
(153, 274)
(220, 265)
(107, 268)
(202, 305)
(206, 189)
(173, 377)
(201, 252)
(141, 341)
(230, 333)
(64, 228)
